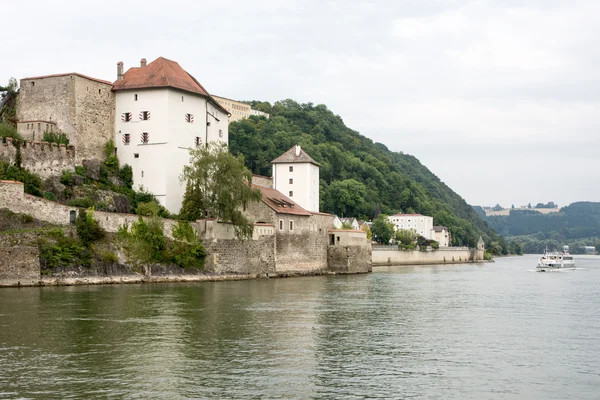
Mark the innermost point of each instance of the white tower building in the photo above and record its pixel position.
(161, 112)
(296, 175)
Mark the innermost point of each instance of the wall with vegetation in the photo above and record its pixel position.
(42, 158)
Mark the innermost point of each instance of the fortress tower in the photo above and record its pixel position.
(296, 175)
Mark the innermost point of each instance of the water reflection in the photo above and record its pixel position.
(467, 331)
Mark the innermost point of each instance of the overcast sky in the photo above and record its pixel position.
(499, 99)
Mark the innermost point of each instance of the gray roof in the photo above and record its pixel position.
(290, 157)
(437, 228)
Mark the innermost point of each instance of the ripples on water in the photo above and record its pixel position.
(465, 331)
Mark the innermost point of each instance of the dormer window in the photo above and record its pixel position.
(126, 117)
(189, 118)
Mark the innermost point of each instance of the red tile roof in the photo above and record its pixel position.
(163, 73)
(279, 203)
(408, 215)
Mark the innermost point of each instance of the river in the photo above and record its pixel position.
(472, 331)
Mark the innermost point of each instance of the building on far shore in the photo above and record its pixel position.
(238, 110)
(441, 235)
(421, 224)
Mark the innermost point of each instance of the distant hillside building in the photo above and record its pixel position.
(422, 224)
(296, 175)
(441, 235)
(237, 109)
(161, 112)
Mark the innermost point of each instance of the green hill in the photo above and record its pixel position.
(577, 225)
(359, 178)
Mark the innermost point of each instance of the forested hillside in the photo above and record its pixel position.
(359, 178)
(576, 225)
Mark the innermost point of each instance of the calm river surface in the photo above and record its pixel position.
(496, 330)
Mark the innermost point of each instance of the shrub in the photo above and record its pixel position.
(50, 196)
(88, 228)
(149, 209)
(66, 178)
(81, 170)
(186, 250)
(109, 257)
(82, 202)
(66, 251)
(26, 218)
(126, 175)
(109, 149)
(56, 137)
(8, 130)
(31, 182)
(112, 164)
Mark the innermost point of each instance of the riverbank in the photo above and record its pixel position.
(75, 280)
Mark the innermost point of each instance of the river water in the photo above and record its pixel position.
(498, 330)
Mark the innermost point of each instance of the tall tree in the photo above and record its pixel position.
(382, 229)
(218, 186)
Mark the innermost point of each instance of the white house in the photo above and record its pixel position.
(296, 175)
(441, 235)
(161, 112)
(351, 221)
(422, 224)
(337, 222)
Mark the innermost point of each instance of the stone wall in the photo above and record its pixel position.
(415, 257)
(241, 256)
(80, 106)
(42, 158)
(264, 181)
(349, 251)
(19, 266)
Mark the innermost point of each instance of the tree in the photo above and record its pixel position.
(382, 229)
(406, 238)
(347, 225)
(88, 228)
(218, 185)
(346, 198)
(365, 227)
(529, 205)
(497, 207)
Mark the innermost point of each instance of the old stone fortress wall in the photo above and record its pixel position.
(289, 238)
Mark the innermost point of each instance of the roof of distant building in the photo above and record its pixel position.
(163, 73)
(279, 203)
(408, 215)
(438, 228)
(295, 155)
(68, 74)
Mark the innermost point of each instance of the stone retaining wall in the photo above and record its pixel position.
(19, 266)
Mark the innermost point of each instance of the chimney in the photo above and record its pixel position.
(143, 62)
(297, 150)
(120, 71)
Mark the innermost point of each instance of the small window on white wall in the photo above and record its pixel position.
(291, 168)
(280, 224)
(126, 117)
(135, 97)
(291, 225)
(189, 118)
(291, 181)
(291, 193)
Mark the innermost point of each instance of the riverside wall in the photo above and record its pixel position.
(270, 252)
(19, 266)
(450, 255)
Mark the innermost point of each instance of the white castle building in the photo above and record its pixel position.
(161, 112)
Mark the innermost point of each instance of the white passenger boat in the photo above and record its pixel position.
(556, 260)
